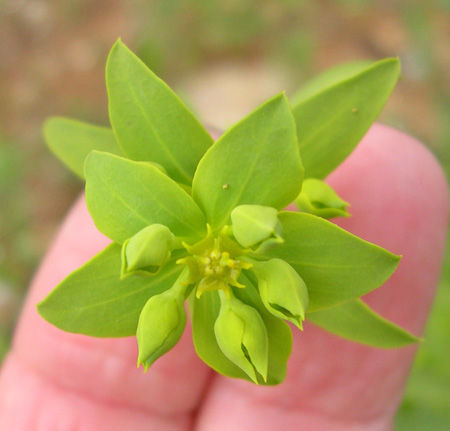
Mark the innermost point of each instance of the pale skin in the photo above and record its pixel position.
(55, 381)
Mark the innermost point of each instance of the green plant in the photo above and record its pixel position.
(203, 221)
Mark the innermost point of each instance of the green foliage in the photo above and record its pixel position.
(328, 79)
(204, 312)
(355, 321)
(279, 333)
(161, 324)
(319, 199)
(155, 198)
(147, 251)
(149, 120)
(336, 265)
(282, 290)
(95, 301)
(256, 225)
(72, 141)
(178, 201)
(243, 168)
(248, 346)
(335, 111)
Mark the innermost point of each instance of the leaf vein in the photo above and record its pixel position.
(134, 292)
(160, 141)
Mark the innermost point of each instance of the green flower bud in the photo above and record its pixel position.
(320, 199)
(256, 226)
(161, 324)
(282, 290)
(147, 251)
(242, 336)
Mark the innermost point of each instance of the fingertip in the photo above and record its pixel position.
(399, 196)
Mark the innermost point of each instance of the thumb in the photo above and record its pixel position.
(399, 201)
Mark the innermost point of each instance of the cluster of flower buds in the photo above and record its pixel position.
(214, 264)
(197, 220)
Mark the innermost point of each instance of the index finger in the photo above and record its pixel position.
(48, 367)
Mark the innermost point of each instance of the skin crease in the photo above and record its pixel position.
(54, 381)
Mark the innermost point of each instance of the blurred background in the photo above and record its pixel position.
(223, 57)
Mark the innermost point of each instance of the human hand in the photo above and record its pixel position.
(52, 380)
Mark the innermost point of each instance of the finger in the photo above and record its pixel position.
(399, 200)
(50, 376)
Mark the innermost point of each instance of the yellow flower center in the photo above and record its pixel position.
(212, 264)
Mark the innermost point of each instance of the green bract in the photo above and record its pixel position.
(147, 251)
(161, 324)
(203, 221)
(257, 226)
(242, 336)
(282, 290)
(318, 198)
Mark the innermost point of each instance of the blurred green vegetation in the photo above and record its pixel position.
(15, 255)
(426, 401)
(52, 62)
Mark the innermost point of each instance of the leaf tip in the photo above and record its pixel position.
(117, 43)
(89, 160)
(114, 55)
(48, 313)
(49, 129)
(141, 362)
(393, 63)
(410, 339)
(46, 128)
(297, 321)
(39, 307)
(282, 97)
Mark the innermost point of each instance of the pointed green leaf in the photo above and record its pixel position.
(71, 141)
(149, 120)
(356, 321)
(329, 78)
(255, 162)
(94, 301)
(124, 196)
(334, 116)
(335, 265)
